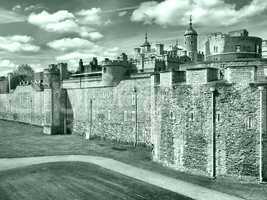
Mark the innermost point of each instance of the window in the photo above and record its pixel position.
(172, 116)
(191, 117)
(125, 116)
(249, 122)
(109, 114)
(237, 48)
(257, 49)
(133, 116)
(133, 99)
(215, 48)
(218, 117)
(105, 69)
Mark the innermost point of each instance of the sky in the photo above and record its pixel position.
(42, 32)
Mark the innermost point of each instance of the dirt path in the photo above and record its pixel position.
(175, 185)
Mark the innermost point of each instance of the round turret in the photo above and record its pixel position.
(191, 42)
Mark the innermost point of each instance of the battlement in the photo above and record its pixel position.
(110, 63)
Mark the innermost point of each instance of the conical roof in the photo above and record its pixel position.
(190, 30)
(146, 43)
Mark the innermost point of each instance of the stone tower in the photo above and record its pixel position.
(146, 47)
(191, 42)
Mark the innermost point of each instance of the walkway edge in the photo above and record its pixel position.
(181, 187)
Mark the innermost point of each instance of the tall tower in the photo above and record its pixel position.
(190, 37)
(146, 47)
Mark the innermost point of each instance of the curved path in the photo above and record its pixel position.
(187, 189)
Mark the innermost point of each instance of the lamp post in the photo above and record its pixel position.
(87, 136)
(136, 131)
(213, 100)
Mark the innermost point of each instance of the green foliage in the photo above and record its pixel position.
(23, 72)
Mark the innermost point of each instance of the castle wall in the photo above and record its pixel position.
(24, 105)
(30, 104)
(237, 129)
(184, 121)
(4, 85)
(111, 114)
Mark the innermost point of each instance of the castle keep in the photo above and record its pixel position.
(202, 113)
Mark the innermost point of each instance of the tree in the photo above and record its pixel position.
(23, 72)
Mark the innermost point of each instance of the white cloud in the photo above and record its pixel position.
(62, 26)
(6, 66)
(37, 67)
(101, 53)
(34, 7)
(7, 63)
(91, 16)
(65, 22)
(94, 35)
(71, 44)
(45, 18)
(122, 13)
(60, 21)
(81, 49)
(176, 12)
(18, 43)
(7, 16)
(16, 8)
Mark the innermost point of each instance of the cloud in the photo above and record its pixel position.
(78, 48)
(101, 53)
(60, 21)
(37, 67)
(6, 66)
(34, 7)
(176, 12)
(90, 16)
(16, 8)
(94, 35)
(7, 63)
(70, 44)
(64, 21)
(18, 43)
(121, 9)
(7, 16)
(122, 13)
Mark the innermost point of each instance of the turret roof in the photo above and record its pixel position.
(146, 43)
(190, 30)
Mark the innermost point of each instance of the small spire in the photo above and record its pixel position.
(190, 21)
(146, 38)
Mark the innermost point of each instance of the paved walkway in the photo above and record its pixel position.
(187, 189)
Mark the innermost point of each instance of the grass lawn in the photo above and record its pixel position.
(76, 181)
(19, 140)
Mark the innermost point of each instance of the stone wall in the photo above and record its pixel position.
(184, 122)
(25, 104)
(180, 120)
(112, 113)
(237, 130)
(184, 115)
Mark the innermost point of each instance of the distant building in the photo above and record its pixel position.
(235, 45)
(93, 66)
(4, 85)
(152, 59)
(264, 49)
